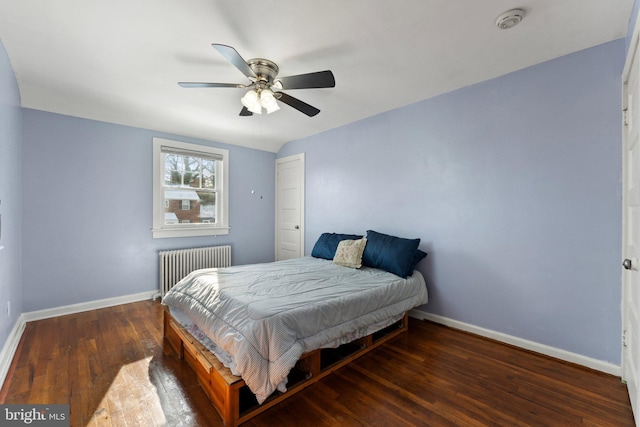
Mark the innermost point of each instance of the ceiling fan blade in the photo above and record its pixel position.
(245, 112)
(316, 80)
(303, 107)
(202, 84)
(234, 57)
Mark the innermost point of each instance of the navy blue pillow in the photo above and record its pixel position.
(417, 257)
(327, 244)
(390, 253)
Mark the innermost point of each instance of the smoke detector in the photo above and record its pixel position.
(510, 19)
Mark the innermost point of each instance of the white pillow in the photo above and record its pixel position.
(349, 253)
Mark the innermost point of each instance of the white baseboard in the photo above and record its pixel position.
(10, 347)
(554, 352)
(86, 306)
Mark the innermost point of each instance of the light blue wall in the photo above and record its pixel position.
(10, 197)
(632, 22)
(513, 185)
(87, 190)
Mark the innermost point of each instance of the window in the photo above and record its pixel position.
(190, 189)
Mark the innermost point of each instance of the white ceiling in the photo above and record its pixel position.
(119, 61)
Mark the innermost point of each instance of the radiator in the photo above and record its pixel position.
(176, 264)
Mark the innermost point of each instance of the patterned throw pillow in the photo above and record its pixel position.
(349, 253)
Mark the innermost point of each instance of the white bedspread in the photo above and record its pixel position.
(267, 315)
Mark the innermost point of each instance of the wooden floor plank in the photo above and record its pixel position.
(110, 367)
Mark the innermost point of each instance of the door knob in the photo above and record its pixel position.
(627, 264)
(297, 227)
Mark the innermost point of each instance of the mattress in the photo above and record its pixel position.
(261, 318)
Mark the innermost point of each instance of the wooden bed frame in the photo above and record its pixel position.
(228, 393)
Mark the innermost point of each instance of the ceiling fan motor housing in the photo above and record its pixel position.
(265, 70)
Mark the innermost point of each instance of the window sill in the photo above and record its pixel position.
(159, 233)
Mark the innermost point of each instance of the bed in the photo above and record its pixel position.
(256, 334)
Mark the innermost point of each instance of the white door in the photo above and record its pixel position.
(631, 229)
(290, 207)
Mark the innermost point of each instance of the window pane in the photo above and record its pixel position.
(172, 169)
(209, 173)
(185, 205)
(207, 207)
(187, 171)
(191, 171)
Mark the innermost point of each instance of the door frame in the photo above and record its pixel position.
(280, 161)
(627, 120)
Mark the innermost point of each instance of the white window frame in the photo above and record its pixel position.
(162, 230)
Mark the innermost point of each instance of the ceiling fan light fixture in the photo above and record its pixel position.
(251, 100)
(268, 101)
(270, 109)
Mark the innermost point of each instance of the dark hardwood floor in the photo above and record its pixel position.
(110, 367)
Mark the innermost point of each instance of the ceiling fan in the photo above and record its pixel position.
(264, 89)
